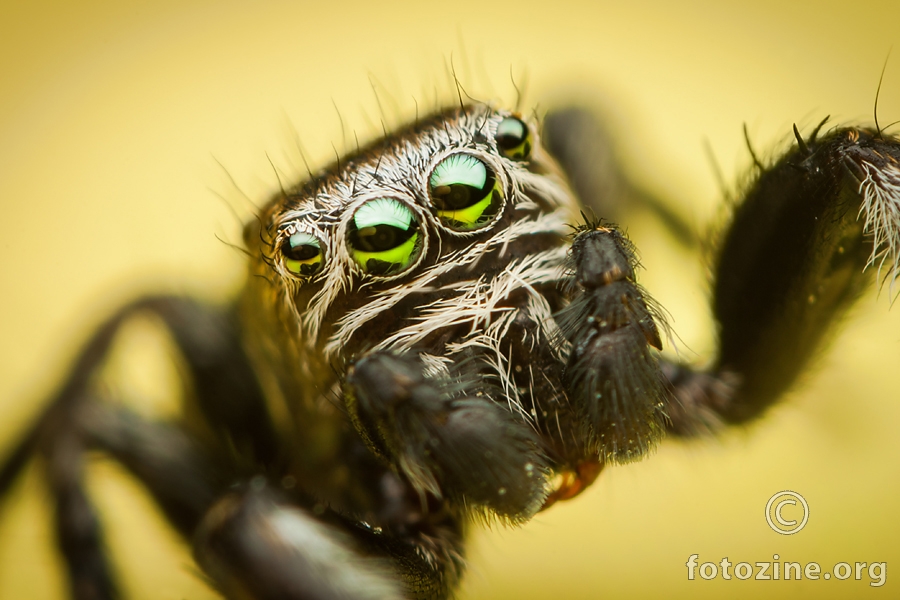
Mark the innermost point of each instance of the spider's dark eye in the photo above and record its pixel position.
(465, 192)
(384, 237)
(513, 139)
(303, 254)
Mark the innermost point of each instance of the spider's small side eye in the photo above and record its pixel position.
(303, 254)
(513, 138)
(465, 192)
(384, 237)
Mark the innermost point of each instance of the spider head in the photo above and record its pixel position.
(420, 240)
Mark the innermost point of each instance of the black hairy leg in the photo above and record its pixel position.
(581, 141)
(812, 232)
(256, 544)
(612, 374)
(78, 530)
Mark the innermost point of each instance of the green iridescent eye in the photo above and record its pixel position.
(513, 138)
(303, 254)
(384, 237)
(465, 192)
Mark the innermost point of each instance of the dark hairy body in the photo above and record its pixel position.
(432, 333)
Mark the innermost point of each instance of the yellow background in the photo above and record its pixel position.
(115, 115)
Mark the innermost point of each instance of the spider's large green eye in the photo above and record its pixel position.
(303, 254)
(513, 138)
(465, 192)
(384, 236)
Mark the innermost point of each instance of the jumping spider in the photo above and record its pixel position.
(433, 330)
